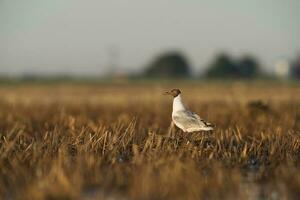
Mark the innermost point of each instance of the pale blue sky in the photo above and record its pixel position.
(76, 37)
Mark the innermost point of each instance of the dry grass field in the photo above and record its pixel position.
(110, 142)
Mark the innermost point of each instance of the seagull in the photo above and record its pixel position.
(184, 119)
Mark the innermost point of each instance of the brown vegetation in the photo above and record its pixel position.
(109, 142)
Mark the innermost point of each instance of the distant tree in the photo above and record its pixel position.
(225, 67)
(222, 67)
(248, 67)
(169, 65)
(295, 68)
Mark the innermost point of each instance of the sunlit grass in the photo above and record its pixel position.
(110, 142)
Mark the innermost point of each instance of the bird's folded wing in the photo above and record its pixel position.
(205, 123)
(189, 119)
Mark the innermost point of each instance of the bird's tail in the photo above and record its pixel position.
(208, 126)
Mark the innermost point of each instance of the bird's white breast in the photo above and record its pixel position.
(177, 104)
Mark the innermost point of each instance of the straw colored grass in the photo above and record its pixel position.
(111, 142)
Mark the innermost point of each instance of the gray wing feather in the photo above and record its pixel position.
(190, 121)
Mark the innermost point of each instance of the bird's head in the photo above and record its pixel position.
(173, 92)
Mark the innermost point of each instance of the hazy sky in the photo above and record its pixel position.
(81, 37)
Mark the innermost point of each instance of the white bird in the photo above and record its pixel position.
(184, 119)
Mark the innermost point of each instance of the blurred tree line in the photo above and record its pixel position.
(169, 65)
(226, 67)
(295, 68)
(175, 65)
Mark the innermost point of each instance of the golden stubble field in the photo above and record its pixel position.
(81, 141)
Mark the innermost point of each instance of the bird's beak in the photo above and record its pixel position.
(167, 93)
